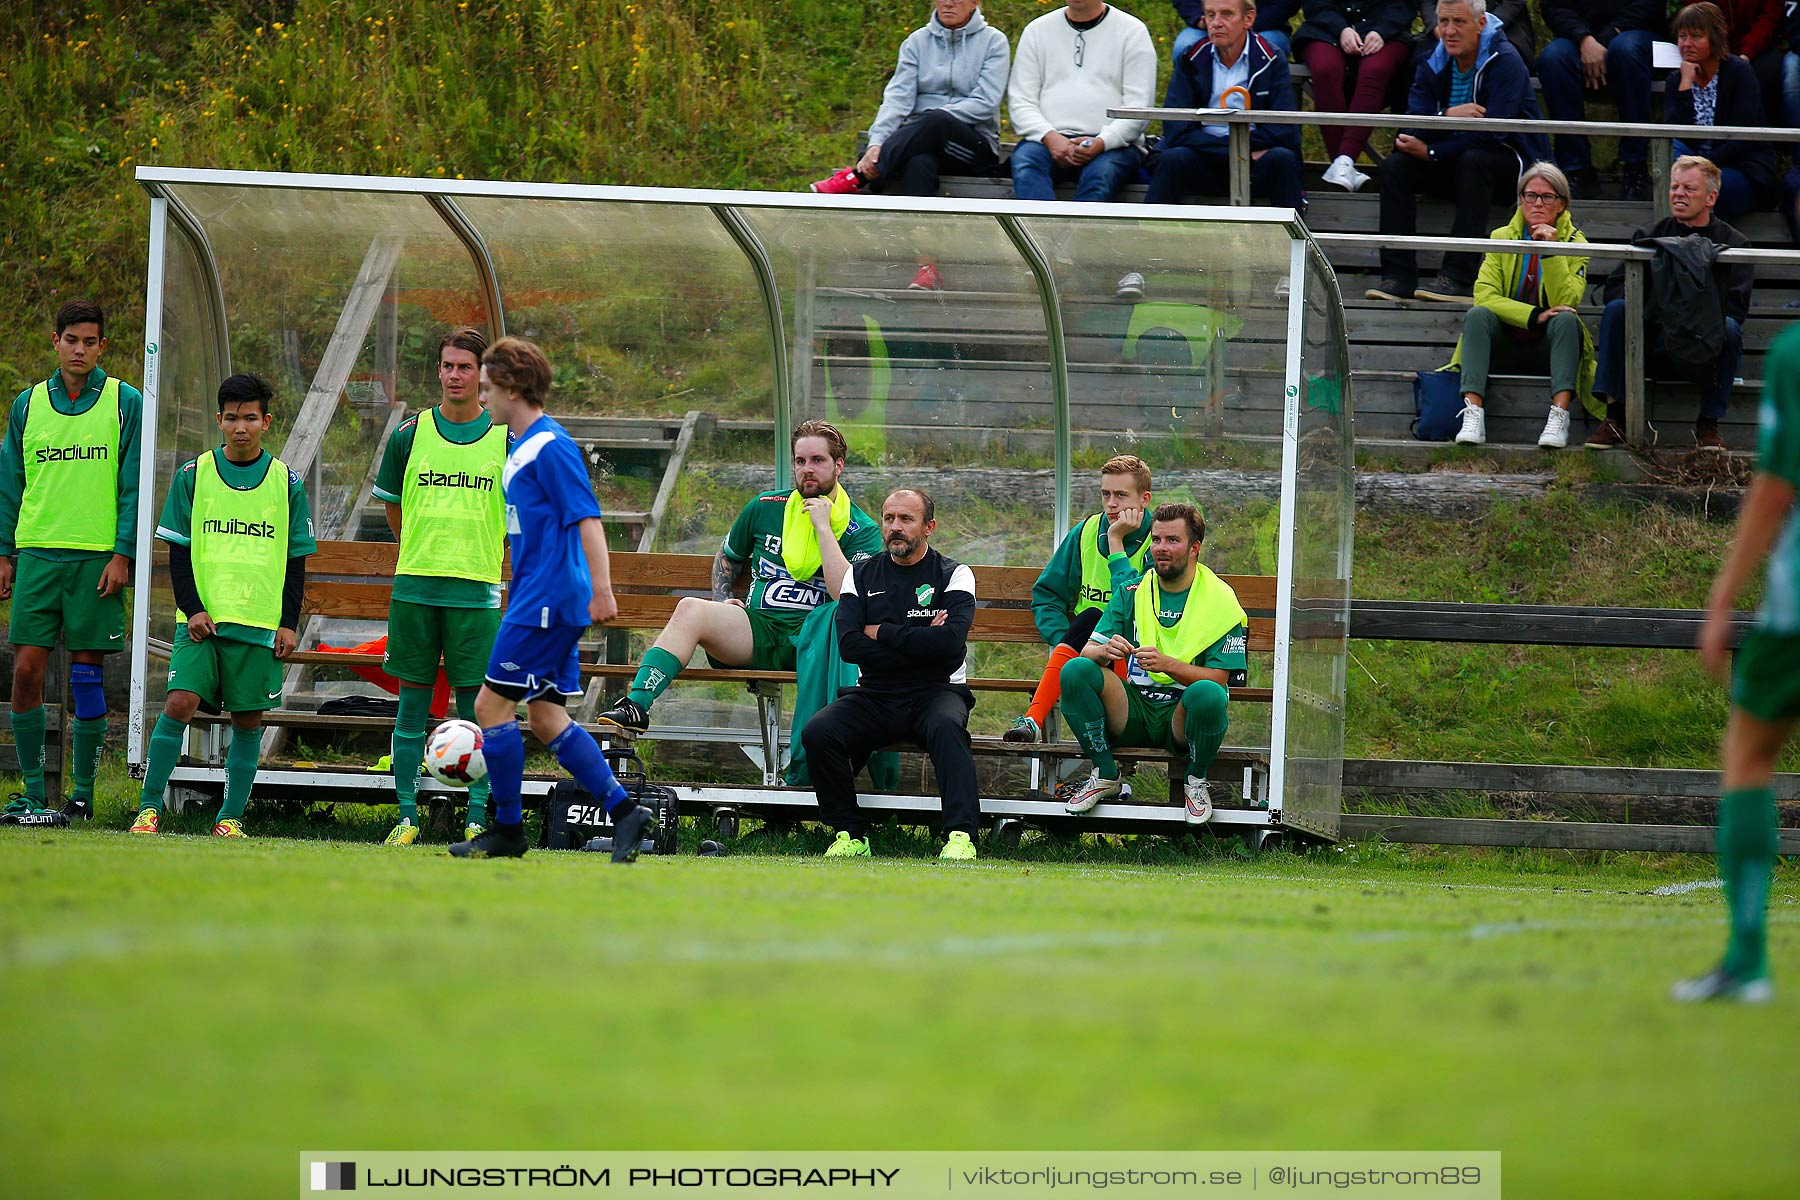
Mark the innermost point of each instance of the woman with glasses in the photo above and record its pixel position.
(1525, 316)
(1716, 87)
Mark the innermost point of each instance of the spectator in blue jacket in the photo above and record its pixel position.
(1473, 72)
(941, 108)
(1716, 87)
(1600, 46)
(1274, 20)
(1230, 68)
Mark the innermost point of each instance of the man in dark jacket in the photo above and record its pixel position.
(1601, 46)
(1230, 68)
(1514, 16)
(903, 617)
(1693, 191)
(1474, 72)
(1274, 20)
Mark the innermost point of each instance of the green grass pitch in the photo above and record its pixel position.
(185, 1015)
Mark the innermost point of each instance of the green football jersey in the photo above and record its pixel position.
(176, 525)
(1778, 454)
(12, 465)
(755, 538)
(390, 484)
(1228, 654)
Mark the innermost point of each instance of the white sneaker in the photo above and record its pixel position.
(1474, 426)
(1129, 287)
(1343, 173)
(1092, 791)
(1199, 802)
(1556, 430)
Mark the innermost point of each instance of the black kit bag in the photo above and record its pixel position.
(574, 819)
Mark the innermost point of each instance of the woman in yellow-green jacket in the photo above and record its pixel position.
(1525, 316)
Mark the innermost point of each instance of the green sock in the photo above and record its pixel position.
(654, 675)
(240, 771)
(1203, 720)
(164, 753)
(1082, 679)
(478, 792)
(1747, 843)
(409, 747)
(28, 736)
(89, 737)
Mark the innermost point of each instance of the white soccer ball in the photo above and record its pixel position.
(453, 753)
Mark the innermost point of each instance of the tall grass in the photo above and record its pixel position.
(746, 93)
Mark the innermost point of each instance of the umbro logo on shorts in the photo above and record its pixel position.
(510, 666)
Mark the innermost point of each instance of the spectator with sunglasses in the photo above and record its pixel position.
(1072, 65)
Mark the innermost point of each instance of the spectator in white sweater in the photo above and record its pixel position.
(1070, 67)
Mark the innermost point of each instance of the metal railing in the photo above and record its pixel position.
(1661, 137)
(1637, 274)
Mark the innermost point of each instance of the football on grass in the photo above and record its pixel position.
(453, 753)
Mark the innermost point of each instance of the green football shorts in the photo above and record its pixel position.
(1765, 676)
(1147, 722)
(419, 633)
(773, 639)
(228, 676)
(52, 599)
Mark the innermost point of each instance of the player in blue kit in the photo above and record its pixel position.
(561, 584)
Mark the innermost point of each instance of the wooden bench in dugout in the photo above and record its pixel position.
(353, 580)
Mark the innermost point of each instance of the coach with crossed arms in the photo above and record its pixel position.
(903, 617)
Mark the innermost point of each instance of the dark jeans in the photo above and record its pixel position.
(842, 735)
(1035, 174)
(1628, 79)
(925, 144)
(1203, 170)
(1475, 179)
(1609, 372)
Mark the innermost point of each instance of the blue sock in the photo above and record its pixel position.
(87, 690)
(578, 752)
(504, 750)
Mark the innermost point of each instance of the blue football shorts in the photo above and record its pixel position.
(530, 663)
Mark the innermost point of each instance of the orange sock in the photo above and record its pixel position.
(1049, 688)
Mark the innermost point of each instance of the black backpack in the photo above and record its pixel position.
(1686, 304)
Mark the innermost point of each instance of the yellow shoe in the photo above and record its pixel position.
(229, 827)
(958, 848)
(472, 831)
(405, 834)
(147, 821)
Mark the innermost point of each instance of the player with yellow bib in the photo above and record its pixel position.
(1182, 635)
(440, 479)
(68, 514)
(238, 529)
(1108, 550)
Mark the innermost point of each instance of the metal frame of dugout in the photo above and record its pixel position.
(221, 243)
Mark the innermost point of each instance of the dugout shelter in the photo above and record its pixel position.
(1001, 391)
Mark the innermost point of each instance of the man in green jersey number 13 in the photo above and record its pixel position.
(440, 480)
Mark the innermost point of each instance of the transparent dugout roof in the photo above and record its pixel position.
(996, 352)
